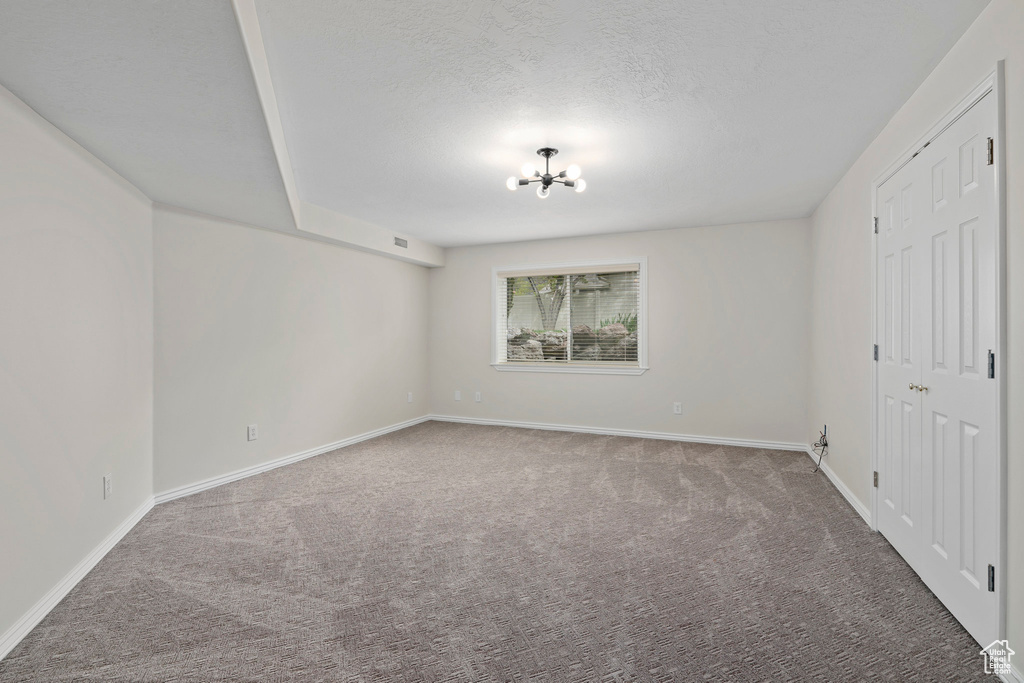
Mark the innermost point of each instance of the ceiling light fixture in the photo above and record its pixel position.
(570, 177)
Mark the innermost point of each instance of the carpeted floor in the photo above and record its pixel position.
(452, 552)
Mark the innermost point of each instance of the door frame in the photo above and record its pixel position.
(993, 83)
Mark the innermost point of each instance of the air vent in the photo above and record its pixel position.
(399, 242)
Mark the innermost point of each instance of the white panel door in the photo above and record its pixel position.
(899, 420)
(937, 323)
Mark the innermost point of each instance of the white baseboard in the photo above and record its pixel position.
(859, 507)
(31, 619)
(721, 441)
(1015, 675)
(854, 502)
(214, 482)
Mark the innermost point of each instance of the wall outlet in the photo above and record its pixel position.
(677, 408)
(477, 397)
(108, 485)
(410, 397)
(458, 395)
(253, 433)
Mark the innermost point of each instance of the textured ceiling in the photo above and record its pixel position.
(161, 91)
(410, 114)
(681, 113)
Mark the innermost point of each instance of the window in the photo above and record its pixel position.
(586, 317)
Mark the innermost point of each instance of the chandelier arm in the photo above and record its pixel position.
(547, 179)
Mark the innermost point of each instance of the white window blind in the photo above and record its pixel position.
(571, 315)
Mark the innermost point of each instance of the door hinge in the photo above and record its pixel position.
(991, 579)
(876, 480)
(876, 351)
(991, 364)
(991, 151)
(876, 225)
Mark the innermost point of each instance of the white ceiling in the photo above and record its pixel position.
(410, 115)
(160, 90)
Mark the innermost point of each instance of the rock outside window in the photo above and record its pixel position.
(580, 317)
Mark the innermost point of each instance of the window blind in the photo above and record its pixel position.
(573, 315)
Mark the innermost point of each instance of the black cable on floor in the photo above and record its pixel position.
(821, 448)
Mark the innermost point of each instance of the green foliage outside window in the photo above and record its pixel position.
(627, 319)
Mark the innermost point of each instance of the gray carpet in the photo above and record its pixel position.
(463, 553)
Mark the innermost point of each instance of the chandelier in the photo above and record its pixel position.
(570, 177)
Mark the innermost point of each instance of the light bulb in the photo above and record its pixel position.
(512, 183)
(528, 170)
(573, 172)
(543, 191)
(581, 185)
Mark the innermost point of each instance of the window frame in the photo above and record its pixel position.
(570, 367)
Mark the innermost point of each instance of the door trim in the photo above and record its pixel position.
(993, 83)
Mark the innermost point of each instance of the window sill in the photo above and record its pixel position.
(570, 369)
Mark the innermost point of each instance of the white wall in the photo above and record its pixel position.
(316, 343)
(76, 355)
(313, 343)
(841, 367)
(728, 325)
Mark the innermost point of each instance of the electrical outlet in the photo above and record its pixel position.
(477, 397)
(677, 408)
(410, 397)
(108, 485)
(253, 433)
(458, 395)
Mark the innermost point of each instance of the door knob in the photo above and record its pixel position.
(921, 388)
(913, 386)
